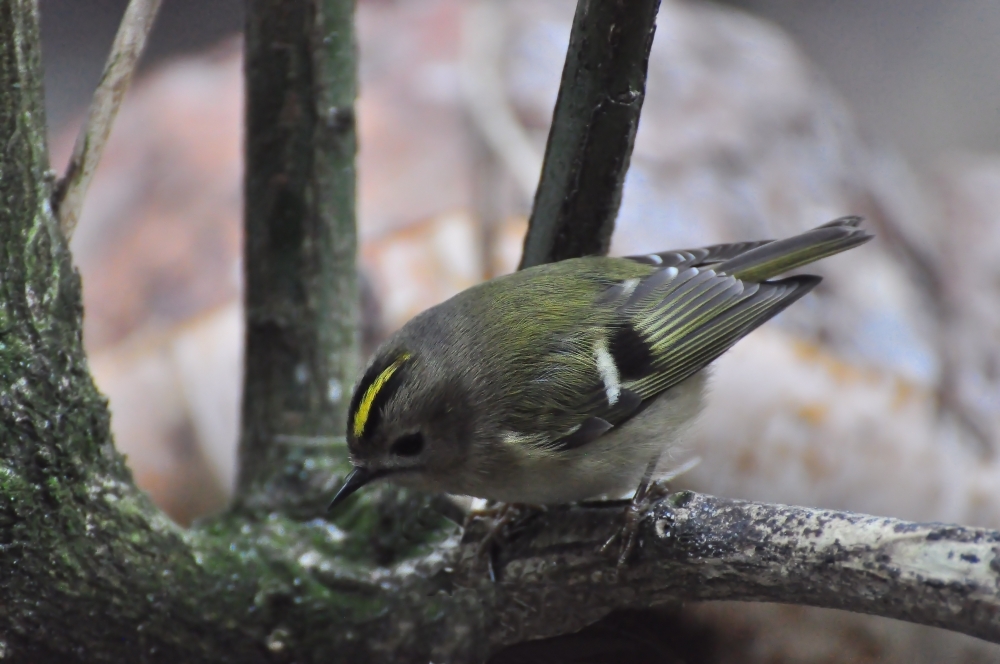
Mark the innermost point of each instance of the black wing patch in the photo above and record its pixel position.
(632, 354)
(665, 327)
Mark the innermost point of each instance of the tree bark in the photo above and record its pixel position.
(593, 130)
(300, 246)
(698, 547)
(89, 570)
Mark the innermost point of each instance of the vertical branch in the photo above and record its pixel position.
(24, 159)
(593, 130)
(300, 243)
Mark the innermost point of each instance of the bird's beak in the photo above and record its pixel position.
(355, 480)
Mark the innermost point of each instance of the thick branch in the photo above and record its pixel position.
(697, 547)
(300, 247)
(85, 560)
(593, 129)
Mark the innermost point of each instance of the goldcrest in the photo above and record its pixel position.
(566, 381)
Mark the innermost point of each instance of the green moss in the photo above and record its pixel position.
(289, 564)
(12, 485)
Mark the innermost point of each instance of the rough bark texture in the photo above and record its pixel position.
(593, 129)
(698, 547)
(301, 289)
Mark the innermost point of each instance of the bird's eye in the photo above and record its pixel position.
(409, 445)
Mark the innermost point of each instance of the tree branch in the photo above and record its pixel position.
(301, 288)
(69, 193)
(593, 130)
(697, 547)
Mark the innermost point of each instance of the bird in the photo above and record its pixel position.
(568, 381)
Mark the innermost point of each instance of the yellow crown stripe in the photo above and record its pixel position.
(365, 407)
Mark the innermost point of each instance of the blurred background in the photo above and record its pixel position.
(879, 392)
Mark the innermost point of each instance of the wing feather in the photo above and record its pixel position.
(700, 257)
(684, 324)
(662, 328)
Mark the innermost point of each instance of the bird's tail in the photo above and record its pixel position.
(774, 258)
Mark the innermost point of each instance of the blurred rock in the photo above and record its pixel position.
(788, 421)
(432, 259)
(413, 158)
(153, 424)
(968, 243)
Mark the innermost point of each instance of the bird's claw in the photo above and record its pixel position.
(504, 516)
(628, 533)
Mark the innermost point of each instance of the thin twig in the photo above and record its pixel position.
(69, 193)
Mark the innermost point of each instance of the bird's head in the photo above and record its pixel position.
(407, 422)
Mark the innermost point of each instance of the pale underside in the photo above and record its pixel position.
(611, 466)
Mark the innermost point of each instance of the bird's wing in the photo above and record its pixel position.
(755, 261)
(655, 331)
(763, 259)
(678, 321)
(699, 257)
(658, 331)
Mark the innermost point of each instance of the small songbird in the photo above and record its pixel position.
(567, 381)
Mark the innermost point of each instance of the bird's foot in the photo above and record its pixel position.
(648, 492)
(506, 518)
(482, 510)
(628, 533)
